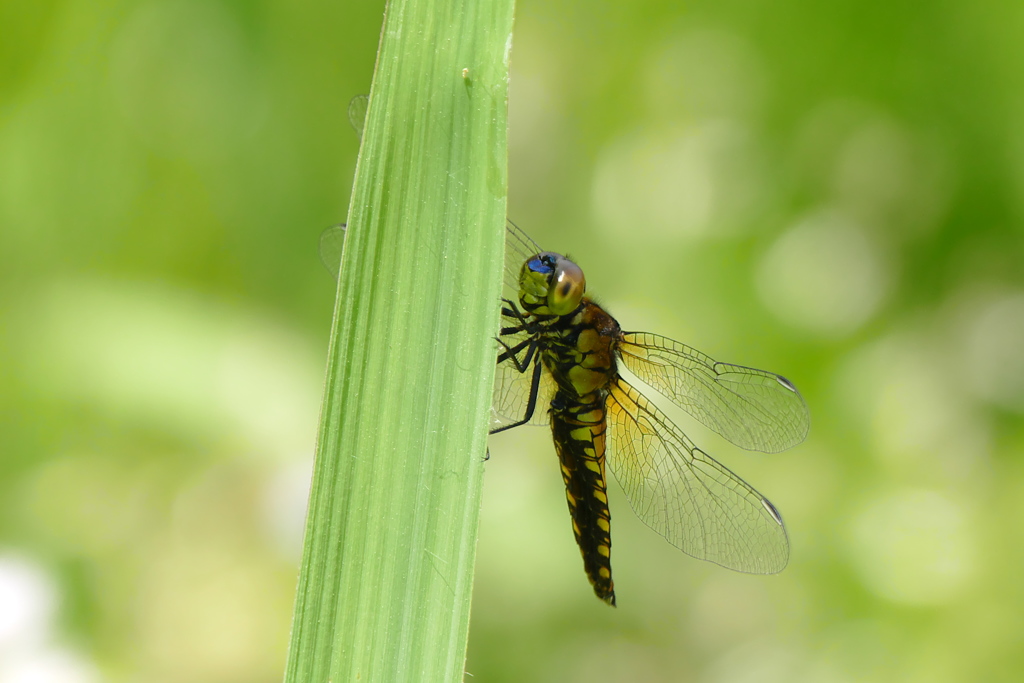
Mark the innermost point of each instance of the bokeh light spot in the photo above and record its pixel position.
(896, 178)
(912, 546)
(900, 388)
(49, 665)
(162, 355)
(995, 352)
(678, 183)
(28, 600)
(824, 275)
(704, 73)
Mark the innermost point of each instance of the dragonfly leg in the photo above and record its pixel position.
(510, 310)
(512, 353)
(505, 331)
(531, 404)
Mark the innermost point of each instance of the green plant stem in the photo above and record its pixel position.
(385, 586)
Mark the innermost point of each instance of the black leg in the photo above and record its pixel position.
(531, 405)
(512, 354)
(513, 312)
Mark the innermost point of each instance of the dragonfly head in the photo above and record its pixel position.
(551, 284)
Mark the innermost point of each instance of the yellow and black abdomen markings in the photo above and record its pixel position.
(578, 426)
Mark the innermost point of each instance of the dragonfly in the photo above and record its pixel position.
(559, 358)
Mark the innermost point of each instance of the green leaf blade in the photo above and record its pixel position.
(384, 592)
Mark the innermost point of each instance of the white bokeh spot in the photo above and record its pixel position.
(678, 183)
(995, 351)
(824, 275)
(913, 547)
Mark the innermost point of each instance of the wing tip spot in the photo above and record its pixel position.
(786, 383)
(772, 511)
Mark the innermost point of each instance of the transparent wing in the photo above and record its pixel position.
(754, 409)
(332, 242)
(685, 495)
(518, 248)
(357, 107)
(512, 387)
(511, 394)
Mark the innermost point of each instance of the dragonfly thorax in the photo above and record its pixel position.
(551, 284)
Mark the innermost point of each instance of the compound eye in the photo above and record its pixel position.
(567, 287)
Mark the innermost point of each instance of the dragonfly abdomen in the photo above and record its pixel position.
(578, 427)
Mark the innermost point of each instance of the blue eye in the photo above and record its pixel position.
(541, 263)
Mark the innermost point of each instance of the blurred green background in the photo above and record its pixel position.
(833, 191)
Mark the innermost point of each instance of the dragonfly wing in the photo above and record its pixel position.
(511, 395)
(519, 248)
(685, 495)
(512, 387)
(332, 242)
(754, 409)
(357, 107)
